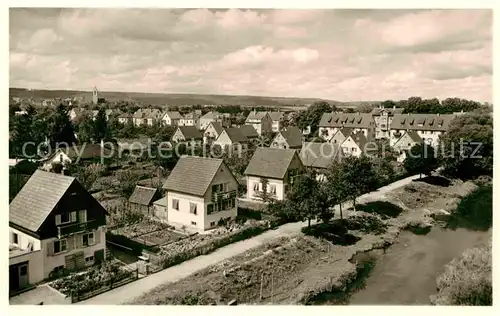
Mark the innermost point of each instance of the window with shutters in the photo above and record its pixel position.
(175, 204)
(60, 246)
(88, 239)
(256, 186)
(192, 208)
(272, 188)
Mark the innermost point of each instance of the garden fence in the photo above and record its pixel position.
(83, 296)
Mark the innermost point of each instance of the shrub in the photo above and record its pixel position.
(335, 232)
(180, 254)
(475, 211)
(383, 208)
(467, 280)
(366, 223)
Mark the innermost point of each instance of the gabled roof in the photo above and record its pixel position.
(88, 151)
(256, 116)
(249, 131)
(125, 115)
(320, 155)
(38, 197)
(390, 111)
(211, 115)
(139, 113)
(192, 115)
(235, 135)
(353, 120)
(193, 175)
(359, 139)
(414, 136)
(174, 115)
(143, 195)
(217, 127)
(190, 132)
(427, 122)
(277, 116)
(270, 162)
(293, 136)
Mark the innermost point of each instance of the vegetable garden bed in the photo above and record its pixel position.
(95, 281)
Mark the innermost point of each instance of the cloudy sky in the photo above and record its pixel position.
(344, 55)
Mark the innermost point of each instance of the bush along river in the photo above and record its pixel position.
(405, 274)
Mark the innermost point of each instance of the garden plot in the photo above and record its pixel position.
(159, 237)
(142, 228)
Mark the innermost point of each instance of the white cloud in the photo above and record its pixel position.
(343, 55)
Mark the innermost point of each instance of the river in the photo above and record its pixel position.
(406, 273)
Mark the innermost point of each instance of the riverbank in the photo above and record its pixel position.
(306, 267)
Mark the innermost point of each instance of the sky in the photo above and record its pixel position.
(336, 54)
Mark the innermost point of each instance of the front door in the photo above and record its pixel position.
(23, 275)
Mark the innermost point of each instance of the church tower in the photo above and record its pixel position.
(94, 96)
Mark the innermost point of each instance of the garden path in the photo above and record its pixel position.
(137, 288)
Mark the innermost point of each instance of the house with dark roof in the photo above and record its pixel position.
(261, 121)
(249, 132)
(187, 134)
(405, 143)
(319, 157)
(340, 136)
(191, 119)
(277, 118)
(271, 171)
(171, 118)
(211, 117)
(125, 118)
(200, 193)
(289, 138)
(232, 138)
(330, 123)
(142, 199)
(78, 154)
(147, 117)
(212, 132)
(357, 144)
(54, 224)
(428, 126)
(383, 118)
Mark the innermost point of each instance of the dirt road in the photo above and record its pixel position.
(132, 290)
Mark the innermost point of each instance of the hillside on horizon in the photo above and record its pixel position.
(178, 99)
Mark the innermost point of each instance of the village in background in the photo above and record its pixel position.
(90, 221)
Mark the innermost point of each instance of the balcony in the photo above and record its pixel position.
(218, 196)
(74, 228)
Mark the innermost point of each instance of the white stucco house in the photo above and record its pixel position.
(261, 121)
(199, 193)
(54, 224)
(271, 171)
(428, 126)
(171, 118)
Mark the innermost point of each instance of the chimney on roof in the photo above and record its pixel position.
(394, 107)
(438, 114)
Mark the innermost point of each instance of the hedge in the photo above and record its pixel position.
(169, 260)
